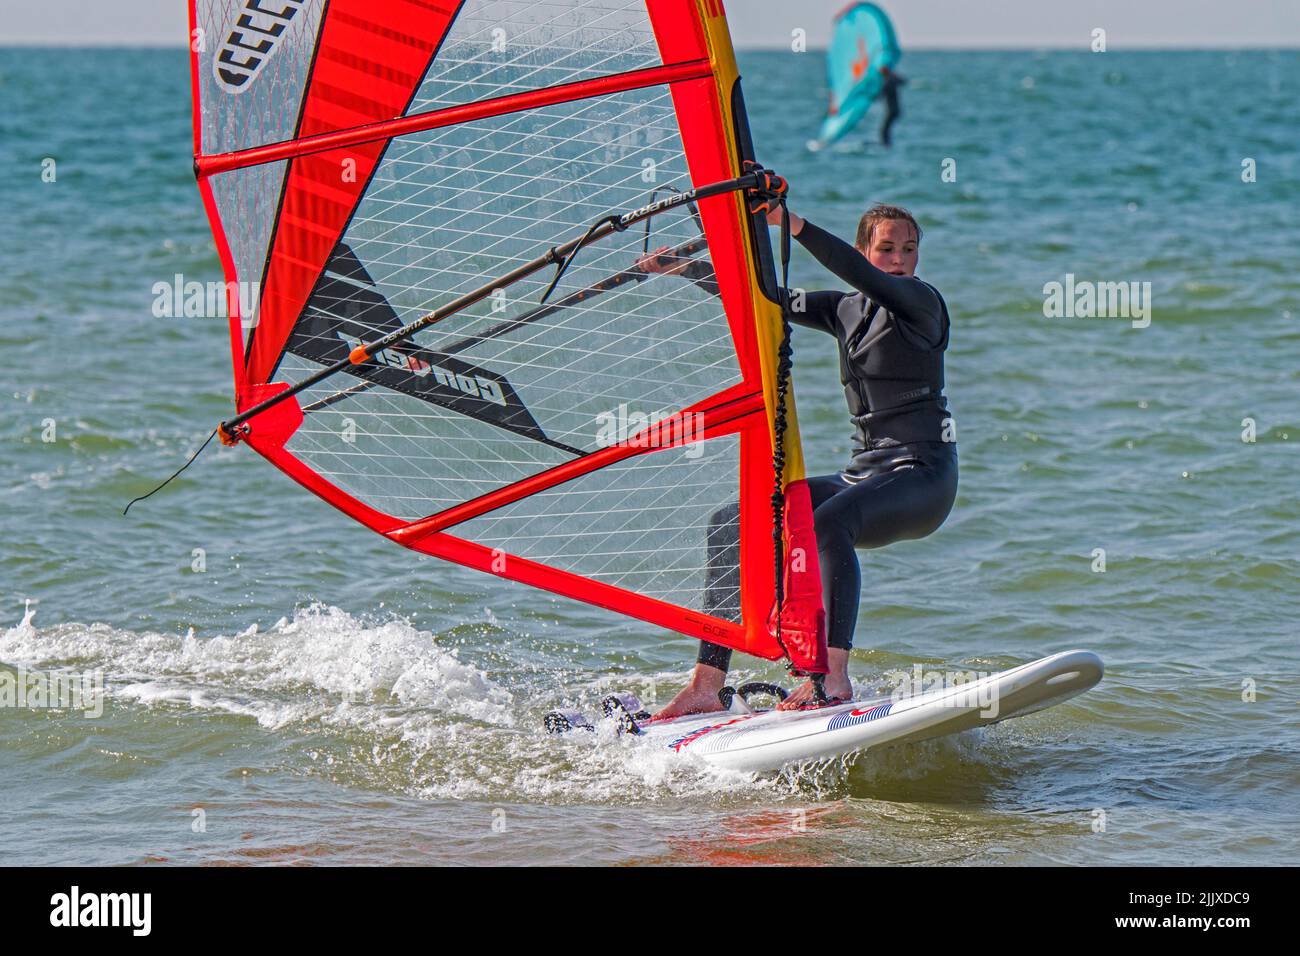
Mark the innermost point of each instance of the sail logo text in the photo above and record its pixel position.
(475, 386)
(73, 909)
(256, 35)
(659, 205)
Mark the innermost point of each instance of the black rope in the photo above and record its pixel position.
(613, 219)
(779, 424)
(694, 210)
(176, 474)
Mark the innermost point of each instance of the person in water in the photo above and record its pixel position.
(889, 93)
(891, 330)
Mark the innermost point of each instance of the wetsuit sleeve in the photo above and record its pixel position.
(818, 310)
(911, 301)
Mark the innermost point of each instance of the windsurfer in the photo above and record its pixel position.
(890, 83)
(900, 484)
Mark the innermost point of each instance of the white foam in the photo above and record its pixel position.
(383, 705)
(320, 664)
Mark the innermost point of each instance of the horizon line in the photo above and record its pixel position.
(36, 43)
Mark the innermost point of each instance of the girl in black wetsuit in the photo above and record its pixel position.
(892, 330)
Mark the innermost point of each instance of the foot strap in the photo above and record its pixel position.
(626, 712)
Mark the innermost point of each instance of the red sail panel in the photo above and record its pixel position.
(371, 59)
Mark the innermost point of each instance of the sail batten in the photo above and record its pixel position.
(450, 116)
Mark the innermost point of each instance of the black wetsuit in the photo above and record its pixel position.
(902, 479)
(889, 93)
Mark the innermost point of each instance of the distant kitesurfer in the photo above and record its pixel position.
(891, 81)
(892, 331)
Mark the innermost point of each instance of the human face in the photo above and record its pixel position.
(893, 247)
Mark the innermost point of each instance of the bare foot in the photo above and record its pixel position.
(692, 700)
(700, 696)
(837, 683)
(806, 694)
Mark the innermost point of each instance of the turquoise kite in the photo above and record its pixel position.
(862, 41)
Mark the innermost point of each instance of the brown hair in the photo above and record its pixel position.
(879, 213)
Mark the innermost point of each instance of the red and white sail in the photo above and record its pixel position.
(365, 161)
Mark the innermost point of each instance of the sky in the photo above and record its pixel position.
(921, 24)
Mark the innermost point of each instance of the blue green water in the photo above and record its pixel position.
(324, 696)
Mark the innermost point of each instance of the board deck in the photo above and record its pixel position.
(770, 739)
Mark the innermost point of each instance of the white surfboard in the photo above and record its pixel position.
(769, 739)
